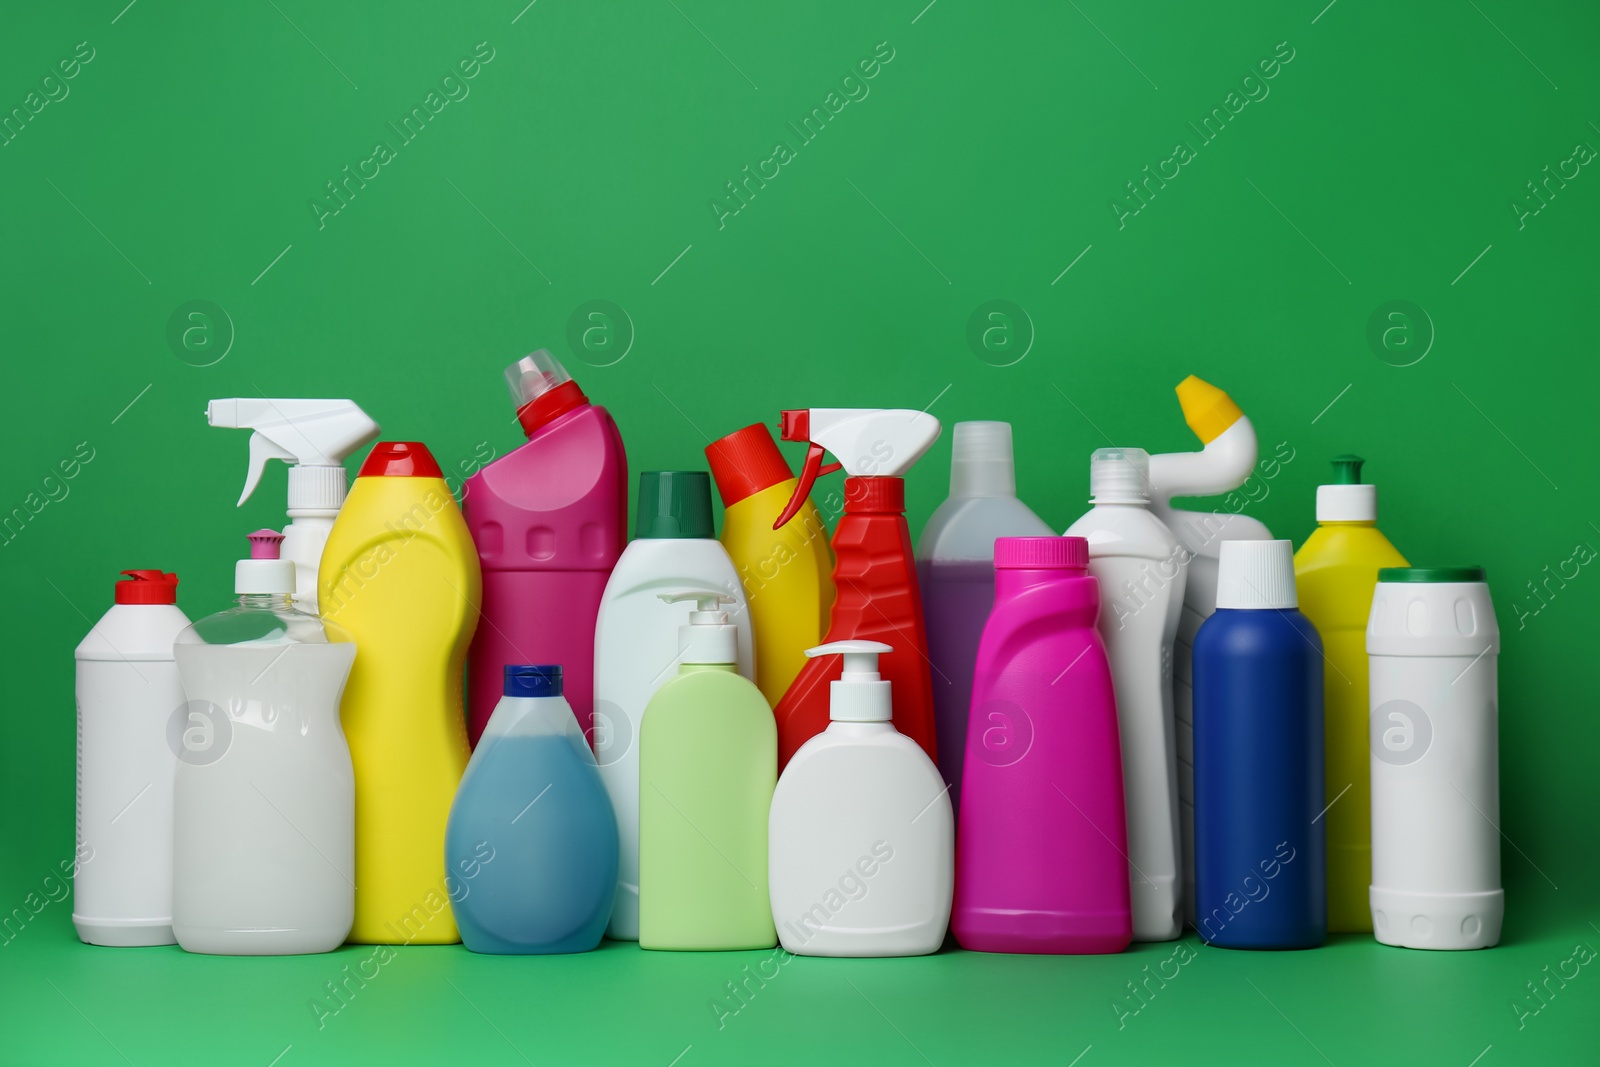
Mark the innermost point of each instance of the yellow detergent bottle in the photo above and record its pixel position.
(401, 576)
(1336, 571)
(787, 572)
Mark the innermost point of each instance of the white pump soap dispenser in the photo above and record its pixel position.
(314, 437)
(708, 636)
(861, 838)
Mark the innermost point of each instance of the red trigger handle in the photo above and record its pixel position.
(808, 476)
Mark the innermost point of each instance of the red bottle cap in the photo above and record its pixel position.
(550, 405)
(746, 462)
(875, 493)
(147, 587)
(1041, 553)
(400, 459)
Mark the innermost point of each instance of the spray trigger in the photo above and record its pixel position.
(809, 473)
(262, 448)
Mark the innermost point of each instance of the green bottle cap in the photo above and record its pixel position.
(1347, 470)
(674, 504)
(1430, 574)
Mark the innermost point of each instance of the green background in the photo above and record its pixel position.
(1382, 166)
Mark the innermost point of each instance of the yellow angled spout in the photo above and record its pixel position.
(1207, 409)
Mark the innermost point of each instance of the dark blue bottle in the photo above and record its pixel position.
(1260, 867)
(531, 845)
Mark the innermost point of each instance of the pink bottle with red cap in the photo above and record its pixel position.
(1042, 837)
(549, 520)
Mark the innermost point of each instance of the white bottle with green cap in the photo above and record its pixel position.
(862, 836)
(636, 644)
(1433, 647)
(1142, 569)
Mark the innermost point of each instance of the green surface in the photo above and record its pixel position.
(1358, 257)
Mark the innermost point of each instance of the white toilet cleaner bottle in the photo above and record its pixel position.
(1142, 570)
(263, 850)
(314, 437)
(861, 837)
(636, 647)
(1226, 462)
(1433, 648)
(128, 691)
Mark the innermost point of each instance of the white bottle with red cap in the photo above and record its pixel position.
(128, 690)
(263, 841)
(861, 837)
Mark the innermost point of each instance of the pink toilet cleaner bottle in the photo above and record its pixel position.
(1042, 838)
(549, 520)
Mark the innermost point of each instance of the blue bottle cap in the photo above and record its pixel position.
(531, 680)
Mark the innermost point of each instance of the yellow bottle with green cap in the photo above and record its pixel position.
(1336, 571)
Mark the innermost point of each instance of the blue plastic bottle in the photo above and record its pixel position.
(1259, 838)
(531, 848)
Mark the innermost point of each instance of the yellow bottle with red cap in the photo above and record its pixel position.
(787, 572)
(401, 576)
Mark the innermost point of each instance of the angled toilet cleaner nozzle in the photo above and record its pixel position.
(867, 442)
(313, 436)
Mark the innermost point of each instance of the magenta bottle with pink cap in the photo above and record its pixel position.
(549, 520)
(1042, 836)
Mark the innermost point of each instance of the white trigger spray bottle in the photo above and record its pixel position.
(313, 437)
(1225, 462)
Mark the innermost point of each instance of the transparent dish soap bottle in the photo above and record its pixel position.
(264, 795)
(532, 800)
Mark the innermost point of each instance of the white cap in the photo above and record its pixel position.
(1119, 476)
(1256, 574)
(859, 694)
(708, 637)
(1347, 503)
(981, 460)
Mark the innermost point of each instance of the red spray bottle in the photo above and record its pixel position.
(876, 575)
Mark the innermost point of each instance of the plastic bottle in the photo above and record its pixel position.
(1041, 852)
(862, 838)
(1259, 836)
(549, 520)
(1226, 461)
(128, 691)
(787, 572)
(955, 568)
(1335, 571)
(707, 767)
(1141, 568)
(313, 437)
(1434, 647)
(533, 797)
(878, 598)
(401, 576)
(263, 848)
(636, 645)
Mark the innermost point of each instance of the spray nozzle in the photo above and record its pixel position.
(859, 694)
(709, 637)
(868, 442)
(264, 544)
(314, 436)
(1347, 470)
(1228, 455)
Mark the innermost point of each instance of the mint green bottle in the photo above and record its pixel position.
(708, 762)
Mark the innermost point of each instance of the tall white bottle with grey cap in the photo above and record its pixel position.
(263, 849)
(1433, 646)
(861, 837)
(1142, 569)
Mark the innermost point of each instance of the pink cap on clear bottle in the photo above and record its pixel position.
(264, 572)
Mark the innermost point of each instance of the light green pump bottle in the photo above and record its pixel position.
(708, 762)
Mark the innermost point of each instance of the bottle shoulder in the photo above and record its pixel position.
(695, 691)
(965, 528)
(1239, 631)
(1124, 530)
(1335, 547)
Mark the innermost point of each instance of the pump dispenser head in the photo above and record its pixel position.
(868, 442)
(1345, 499)
(542, 389)
(860, 694)
(1119, 476)
(264, 572)
(313, 436)
(709, 637)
